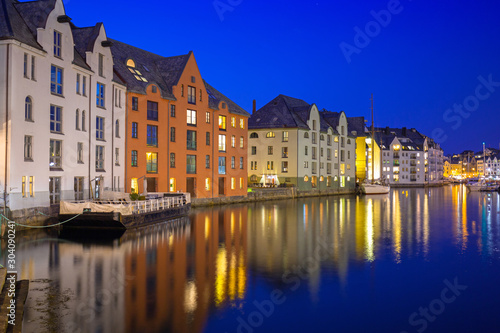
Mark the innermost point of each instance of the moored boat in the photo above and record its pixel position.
(122, 214)
(375, 189)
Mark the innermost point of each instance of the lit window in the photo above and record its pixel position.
(285, 136)
(233, 122)
(151, 162)
(222, 142)
(222, 122)
(137, 74)
(233, 183)
(191, 117)
(55, 154)
(242, 123)
(134, 185)
(207, 117)
(233, 141)
(270, 135)
(32, 186)
(207, 184)
(242, 142)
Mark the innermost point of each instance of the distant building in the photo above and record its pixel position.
(409, 157)
(291, 142)
(63, 125)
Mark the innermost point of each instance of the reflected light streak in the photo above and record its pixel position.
(369, 231)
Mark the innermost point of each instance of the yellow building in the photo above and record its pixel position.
(364, 150)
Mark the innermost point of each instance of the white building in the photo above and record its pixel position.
(291, 142)
(408, 157)
(63, 110)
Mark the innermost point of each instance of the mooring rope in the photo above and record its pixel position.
(39, 227)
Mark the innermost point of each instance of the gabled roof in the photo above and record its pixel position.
(215, 97)
(145, 63)
(282, 111)
(356, 126)
(84, 38)
(19, 20)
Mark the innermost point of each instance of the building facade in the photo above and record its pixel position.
(182, 134)
(291, 143)
(367, 150)
(63, 110)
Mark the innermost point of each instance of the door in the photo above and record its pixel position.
(191, 186)
(222, 185)
(152, 185)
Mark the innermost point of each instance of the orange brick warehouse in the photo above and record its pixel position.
(182, 134)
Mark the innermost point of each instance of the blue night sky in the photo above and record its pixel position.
(418, 66)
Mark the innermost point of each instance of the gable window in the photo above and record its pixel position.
(222, 123)
(33, 68)
(25, 68)
(133, 158)
(151, 162)
(57, 44)
(135, 130)
(152, 110)
(101, 65)
(28, 148)
(28, 109)
(100, 94)
(152, 140)
(55, 154)
(99, 134)
(191, 95)
(191, 140)
(55, 119)
(135, 104)
(191, 117)
(99, 158)
(84, 85)
(56, 80)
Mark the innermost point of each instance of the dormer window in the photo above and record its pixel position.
(57, 43)
(137, 74)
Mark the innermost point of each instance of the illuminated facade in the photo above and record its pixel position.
(65, 108)
(291, 142)
(182, 134)
(365, 146)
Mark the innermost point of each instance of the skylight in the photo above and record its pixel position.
(137, 74)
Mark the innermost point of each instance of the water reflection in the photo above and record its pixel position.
(186, 275)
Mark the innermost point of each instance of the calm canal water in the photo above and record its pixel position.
(412, 261)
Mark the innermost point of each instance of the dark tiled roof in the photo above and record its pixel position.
(84, 38)
(282, 111)
(146, 63)
(15, 19)
(357, 125)
(331, 118)
(215, 97)
(35, 13)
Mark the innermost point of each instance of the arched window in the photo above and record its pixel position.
(306, 135)
(83, 120)
(117, 128)
(254, 136)
(270, 135)
(348, 141)
(130, 63)
(77, 119)
(322, 137)
(28, 109)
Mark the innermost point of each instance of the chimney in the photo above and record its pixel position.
(404, 131)
(387, 131)
(254, 106)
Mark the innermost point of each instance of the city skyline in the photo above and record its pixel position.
(420, 62)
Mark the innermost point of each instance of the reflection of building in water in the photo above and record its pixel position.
(92, 273)
(182, 273)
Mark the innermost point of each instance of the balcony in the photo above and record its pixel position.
(395, 163)
(395, 155)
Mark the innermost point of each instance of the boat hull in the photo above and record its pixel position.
(374, 189)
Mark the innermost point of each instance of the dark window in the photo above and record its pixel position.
(191, 164)
(233, 162)
(154, 89)
(28, 109)
(241, 162)
(135, 103)
(172, 111)
(191, 95)
(222, 165)
(56, 80)
(254, 150)
(207, 161)
(208, 138)
(152, 110)
(152, 136)
(191, 140)
(172, 134)
(100, 93)
(135, 130)
(99, 134)
(133, 158)
(57, 44)
(55, 119)
(254, 136)
(172, 160)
